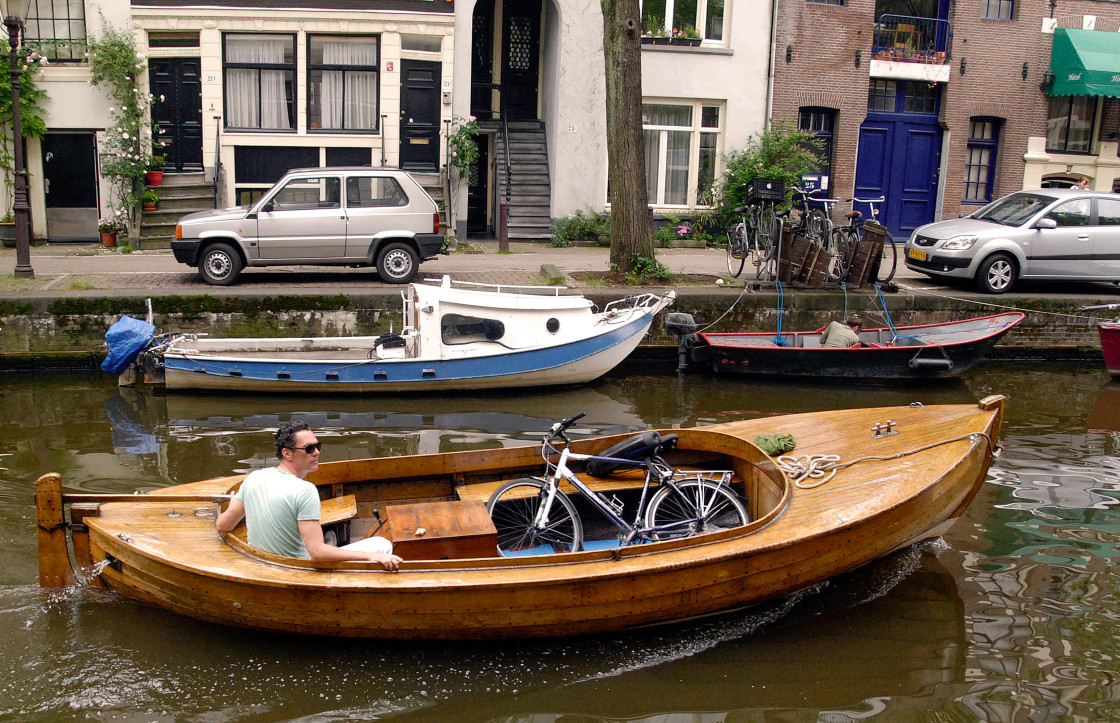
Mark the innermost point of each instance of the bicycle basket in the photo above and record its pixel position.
(765, 189)
(638, 447)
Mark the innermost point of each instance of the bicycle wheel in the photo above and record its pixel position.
(513, 509)
(736, 249)
(718, 506)
(889, 262)
(771, 227)
(819, 226)
(840, 246)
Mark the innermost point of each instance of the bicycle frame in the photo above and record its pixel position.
(665, 475)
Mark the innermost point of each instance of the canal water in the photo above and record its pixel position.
(1011, 617)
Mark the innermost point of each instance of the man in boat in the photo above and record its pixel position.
(842, 336)
(281, 508)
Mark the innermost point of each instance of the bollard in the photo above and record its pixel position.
(503, 227)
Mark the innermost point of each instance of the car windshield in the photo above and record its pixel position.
(1014, 210)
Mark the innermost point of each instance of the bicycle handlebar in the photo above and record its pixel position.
(558, 429)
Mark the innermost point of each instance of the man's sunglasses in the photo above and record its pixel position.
(309, 448)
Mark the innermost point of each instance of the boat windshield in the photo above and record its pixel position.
(1014, 210)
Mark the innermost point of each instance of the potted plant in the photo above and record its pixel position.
(653, 32)
(150, 200)
(155, 169)
(8, 230)
(110, 226)
(687, 35)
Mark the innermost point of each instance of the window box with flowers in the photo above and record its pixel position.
(110, 227)
(687, 36)
(653, 33)
(675, 233)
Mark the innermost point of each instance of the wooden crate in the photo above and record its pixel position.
(442, 530)
(868, 253)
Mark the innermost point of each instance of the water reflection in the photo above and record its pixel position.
(1015, 620)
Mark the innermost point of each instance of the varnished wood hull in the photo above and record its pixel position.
(799, 537)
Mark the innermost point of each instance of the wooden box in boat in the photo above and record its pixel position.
(454, 530)
(891, 490)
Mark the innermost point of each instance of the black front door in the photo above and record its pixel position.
(177, 111)
(521, 36)
(419, 115)
(482, 60)
(70, 182)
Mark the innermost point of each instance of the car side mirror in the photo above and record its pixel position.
(1046, 223)
(270, 206)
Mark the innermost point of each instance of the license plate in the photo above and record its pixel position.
(917, 254)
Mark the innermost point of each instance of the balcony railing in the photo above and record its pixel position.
(913, 40)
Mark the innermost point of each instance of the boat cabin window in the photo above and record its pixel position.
(459, 329)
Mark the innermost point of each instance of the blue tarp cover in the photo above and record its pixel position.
(126, 339)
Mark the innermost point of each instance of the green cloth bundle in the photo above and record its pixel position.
(775, 444)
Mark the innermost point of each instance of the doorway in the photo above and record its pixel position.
(70, 184)
(176, 84)
(420, 115)
(899, 154)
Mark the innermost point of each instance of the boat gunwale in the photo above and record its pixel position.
(708, 336)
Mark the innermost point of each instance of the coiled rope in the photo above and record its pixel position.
(820, 468)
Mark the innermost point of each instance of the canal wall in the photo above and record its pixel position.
(37, 330)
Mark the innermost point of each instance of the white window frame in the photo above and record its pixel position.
(701, 20)
(694, 130)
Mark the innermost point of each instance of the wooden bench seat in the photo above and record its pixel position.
(337, 509)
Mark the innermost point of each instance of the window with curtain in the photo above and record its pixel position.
(1069, 128)
(260, 81)
(676, 17)
(57, 28)
(980, 163)
(682, 149)
(342, 83)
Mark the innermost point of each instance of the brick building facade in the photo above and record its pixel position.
(829, 56)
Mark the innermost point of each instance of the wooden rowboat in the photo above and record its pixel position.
(906, 473)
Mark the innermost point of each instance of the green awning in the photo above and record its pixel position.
(1085, 62)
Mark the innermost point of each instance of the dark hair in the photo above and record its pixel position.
(286, 435)
(854, 320)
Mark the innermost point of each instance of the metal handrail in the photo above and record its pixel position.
(505, 129)
(912, 38)
(217, 161)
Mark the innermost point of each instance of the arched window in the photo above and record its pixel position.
(819, 122)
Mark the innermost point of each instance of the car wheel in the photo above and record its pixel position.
(397, 263)
(219, 265)
(996, 274)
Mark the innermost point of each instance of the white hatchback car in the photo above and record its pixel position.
(357, 216)
(1050, 233)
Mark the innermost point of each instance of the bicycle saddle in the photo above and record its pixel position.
(853, 214)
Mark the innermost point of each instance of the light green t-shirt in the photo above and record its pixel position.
(838, 336)
(275, 502)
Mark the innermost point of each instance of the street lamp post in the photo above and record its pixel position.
(21, 209)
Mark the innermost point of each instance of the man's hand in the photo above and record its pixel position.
(390, 561)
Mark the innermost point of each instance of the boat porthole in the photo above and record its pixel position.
(553, 325)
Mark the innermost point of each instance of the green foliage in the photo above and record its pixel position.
(782, 152)
(150, 196)
(462, 144)
(652, 27)
(31, 98)
(115, 66)
(677, 230)
(157, 162)
(580, 227)
(645, 269)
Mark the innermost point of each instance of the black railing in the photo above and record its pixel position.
(503, 116)
(218, 161)
(912, 39)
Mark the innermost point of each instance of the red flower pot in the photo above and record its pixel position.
(155, 178)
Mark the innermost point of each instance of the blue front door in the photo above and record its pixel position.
(900, 153)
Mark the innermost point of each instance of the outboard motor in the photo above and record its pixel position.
(685, 327)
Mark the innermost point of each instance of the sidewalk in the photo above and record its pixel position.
(63, 269)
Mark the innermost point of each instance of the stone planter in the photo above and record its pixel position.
(8, 234)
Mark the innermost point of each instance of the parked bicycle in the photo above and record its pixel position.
(846, 238)
(532, 515)
(811, 221)
(756, 235)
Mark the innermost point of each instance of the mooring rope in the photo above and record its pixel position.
(823, 467)
(1005, 307)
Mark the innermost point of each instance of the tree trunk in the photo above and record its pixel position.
(626, 164)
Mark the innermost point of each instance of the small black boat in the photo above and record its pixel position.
(930, 351)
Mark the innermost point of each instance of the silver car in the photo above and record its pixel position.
(1051, 233)
(331, 216)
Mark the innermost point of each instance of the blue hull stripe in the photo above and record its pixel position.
(394, 371)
